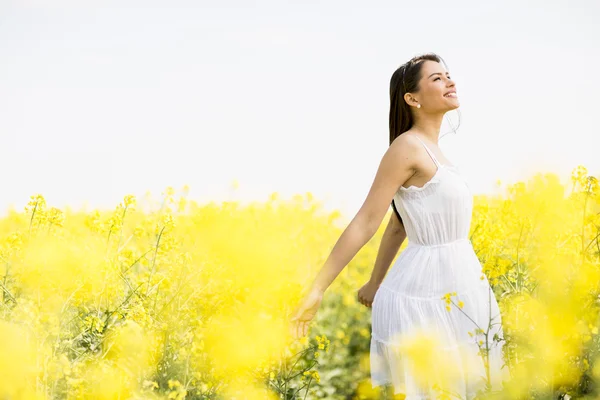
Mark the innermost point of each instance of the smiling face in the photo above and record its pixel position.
(435, 89)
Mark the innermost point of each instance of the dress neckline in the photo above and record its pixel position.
(413, 188)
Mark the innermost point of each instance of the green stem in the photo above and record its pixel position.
(298, 359)
(465, 314)
(307, 387)
(122, 223)
(5, 291)
(32, 215)
(487, 345)
(154, 259)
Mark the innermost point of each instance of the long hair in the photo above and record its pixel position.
(406, 79)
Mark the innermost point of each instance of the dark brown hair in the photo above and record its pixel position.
(406, 79)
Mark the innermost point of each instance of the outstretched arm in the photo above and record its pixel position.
(397, 166)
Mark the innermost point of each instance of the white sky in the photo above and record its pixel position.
(99, 99)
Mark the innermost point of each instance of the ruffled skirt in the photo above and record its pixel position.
(429, 318)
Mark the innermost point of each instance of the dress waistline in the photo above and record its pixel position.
(457, 241)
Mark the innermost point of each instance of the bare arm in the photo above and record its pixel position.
(391, 241)
(397, 166)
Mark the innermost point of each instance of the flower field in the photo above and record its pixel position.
(182, 300)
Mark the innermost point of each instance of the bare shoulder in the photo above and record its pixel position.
(405, 150)
(397, 166)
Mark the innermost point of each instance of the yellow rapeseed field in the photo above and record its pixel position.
(184, 300)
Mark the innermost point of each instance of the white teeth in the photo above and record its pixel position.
(450, 95)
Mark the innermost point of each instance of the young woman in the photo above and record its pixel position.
(439, 269)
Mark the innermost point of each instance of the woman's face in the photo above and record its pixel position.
(436, 87)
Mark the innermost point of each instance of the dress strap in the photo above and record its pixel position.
(429, 152)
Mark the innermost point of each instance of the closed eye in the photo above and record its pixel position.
(440, 78)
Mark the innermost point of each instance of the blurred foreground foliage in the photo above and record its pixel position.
(193, 301)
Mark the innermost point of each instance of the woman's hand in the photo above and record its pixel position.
(366, 294)
(306, 312)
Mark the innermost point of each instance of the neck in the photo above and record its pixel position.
(429, 126)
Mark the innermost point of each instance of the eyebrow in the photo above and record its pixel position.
(436, 73)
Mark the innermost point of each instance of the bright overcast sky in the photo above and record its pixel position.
(99, 99)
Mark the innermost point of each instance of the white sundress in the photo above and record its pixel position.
(438, 259)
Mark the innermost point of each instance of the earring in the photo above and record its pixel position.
(418, 106)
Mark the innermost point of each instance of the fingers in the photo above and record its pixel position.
(367, 304)
(360, 299)
(364, 302)
(299, 328)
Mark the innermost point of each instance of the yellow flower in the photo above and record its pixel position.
(461, 303)
(169, 191)
(129, 200)
(150, 384)
(316, 376)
